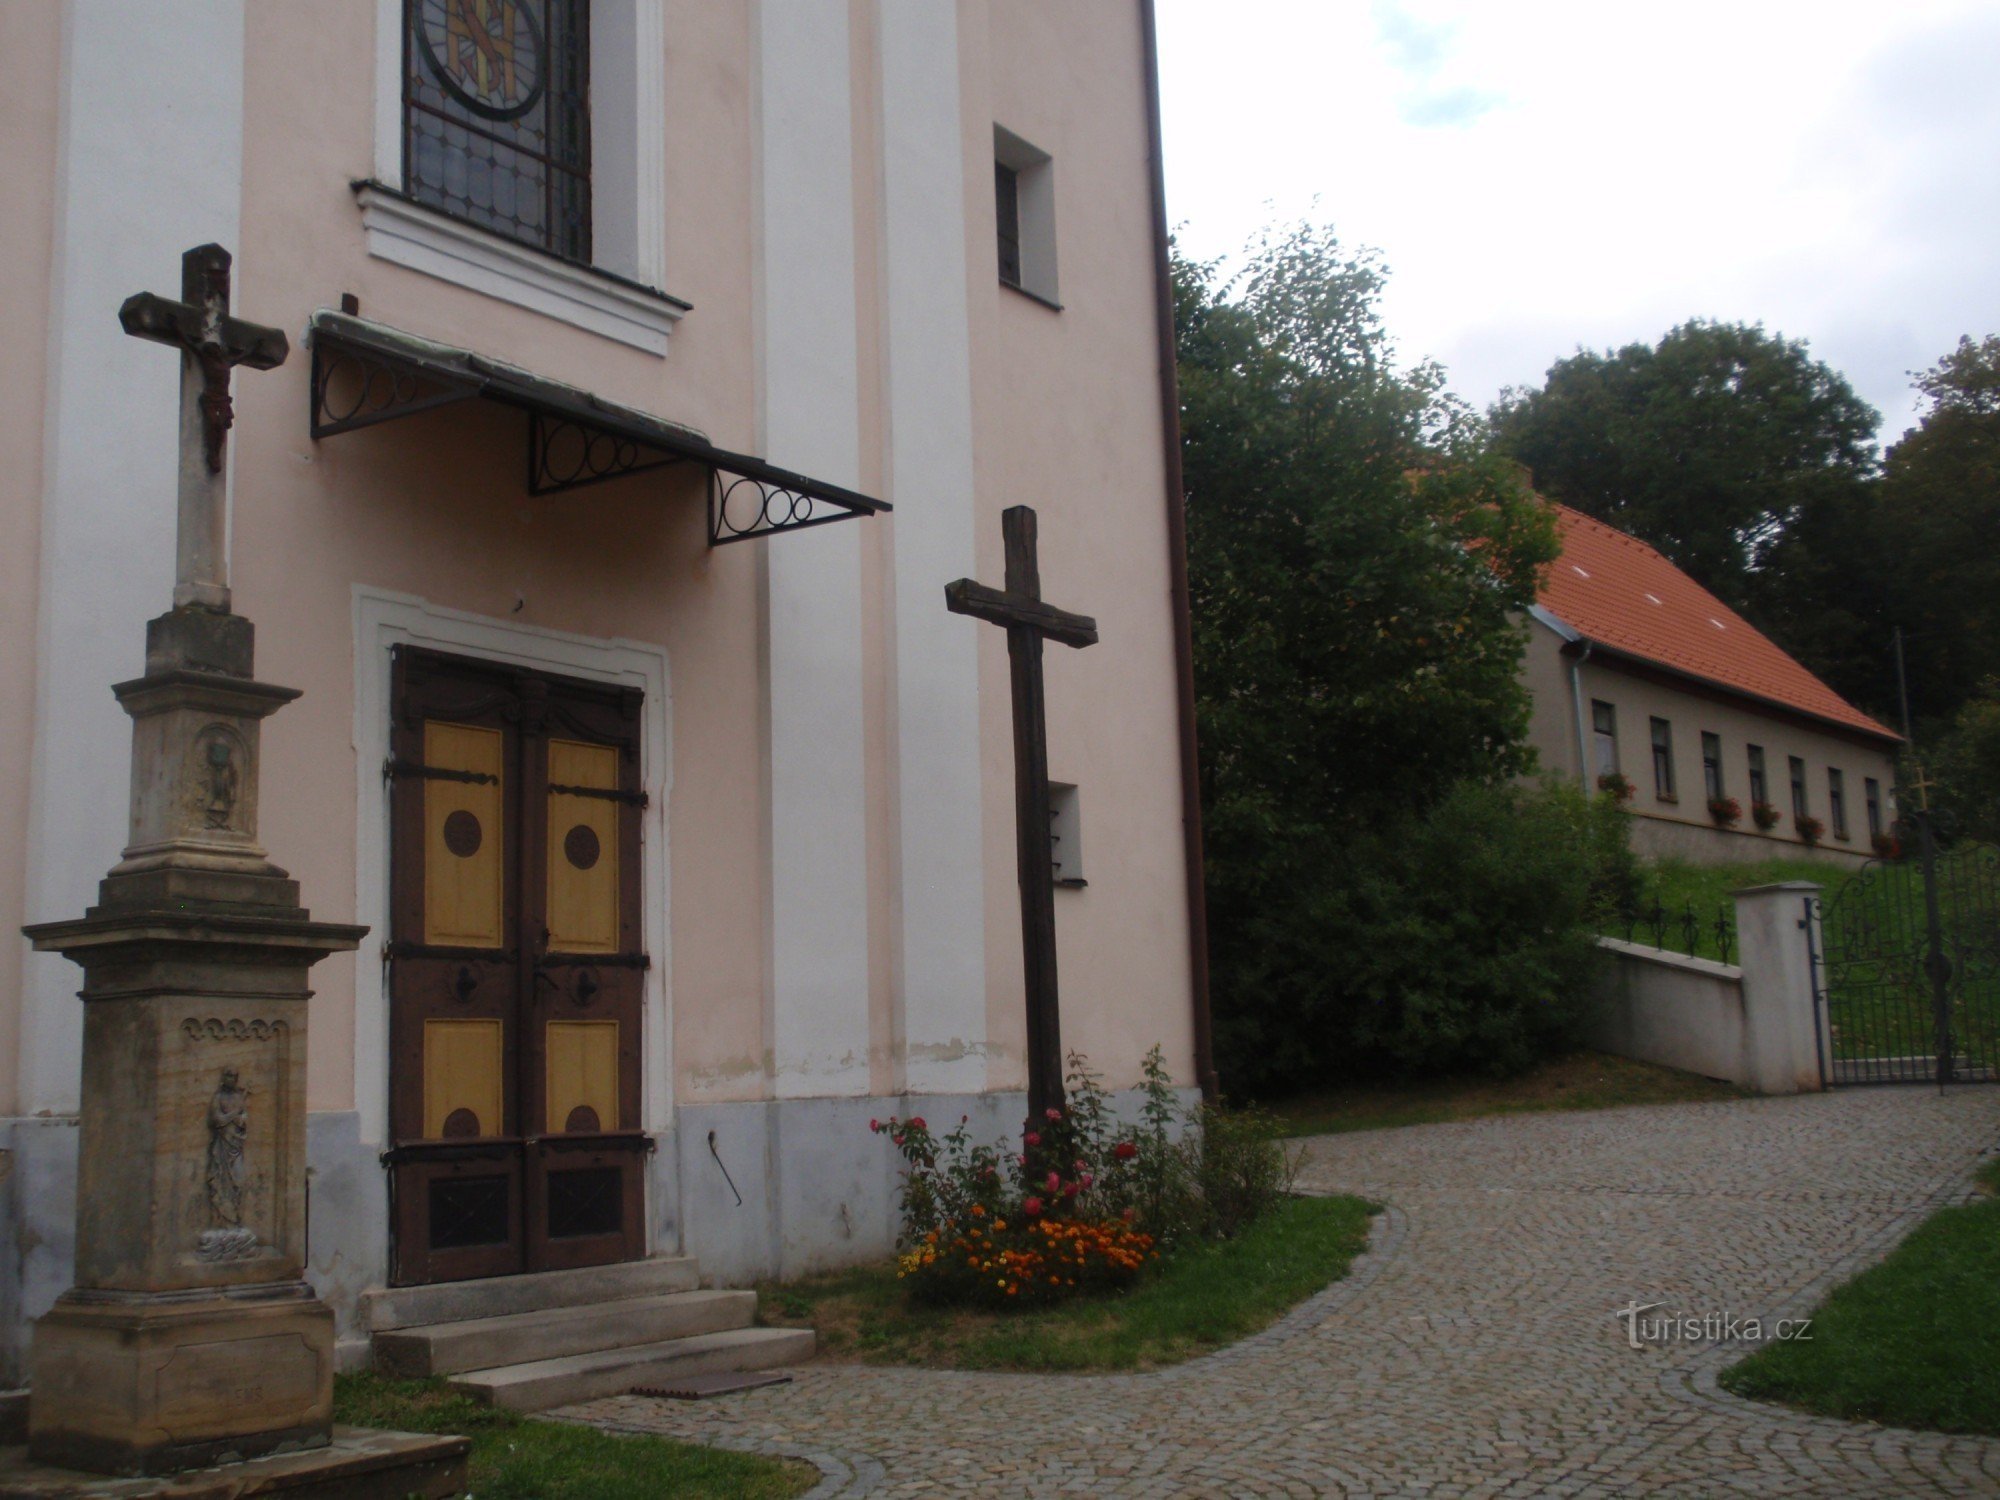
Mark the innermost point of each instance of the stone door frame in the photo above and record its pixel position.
(383, 620)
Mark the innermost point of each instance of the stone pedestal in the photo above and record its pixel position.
(191, 1336)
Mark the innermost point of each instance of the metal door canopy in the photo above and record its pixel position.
(366, 373)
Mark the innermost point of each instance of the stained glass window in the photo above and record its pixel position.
(496, 116)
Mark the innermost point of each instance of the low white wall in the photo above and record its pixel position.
(1754, 1023)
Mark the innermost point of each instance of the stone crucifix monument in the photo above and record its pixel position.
(191, 1336)
(1020, 608)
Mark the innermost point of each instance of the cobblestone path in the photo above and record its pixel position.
(1475, 1350)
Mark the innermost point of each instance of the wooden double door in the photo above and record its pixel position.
(516, 970)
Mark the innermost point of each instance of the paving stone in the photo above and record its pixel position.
(1475, 1349)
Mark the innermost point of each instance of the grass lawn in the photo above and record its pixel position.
(1913, 1342)
(1581, 1080)
(518, 1458)
(1199, 1299)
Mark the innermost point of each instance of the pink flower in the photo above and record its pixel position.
(1034, 1139)
(1054, 1184)
(1086, 1180)
(875, 1125)
(1020, 1161)
(1053, 1113)
(1070, 1191)
(1031, 1206)
(1124, 1150)
(1129, 1215)
(916, 1122)
(897, 1138)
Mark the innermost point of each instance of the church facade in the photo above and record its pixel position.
(653, 368)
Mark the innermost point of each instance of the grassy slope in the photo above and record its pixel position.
(1914, 1341)
(1581, 1080)
(1676, 883)
(517, 1458)
(1200, 1299)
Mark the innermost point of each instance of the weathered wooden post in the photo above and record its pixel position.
(1020, 609)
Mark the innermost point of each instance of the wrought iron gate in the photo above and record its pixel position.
(1908, 968)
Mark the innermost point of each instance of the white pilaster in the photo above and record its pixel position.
(818, 889)
(929, 403)
(150, 164)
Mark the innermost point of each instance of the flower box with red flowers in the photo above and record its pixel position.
(1726, 811)
(1764, 815)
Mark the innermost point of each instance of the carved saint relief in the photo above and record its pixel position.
(227, 1174)
(215, 774)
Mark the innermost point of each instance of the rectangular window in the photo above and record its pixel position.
(1711, 766)
(1801, 808)
(1836, 801)
(1663, 760)
(496, 116)
(1760, 786)
(1007, 221)
(1871, 789)
(1604, 728)
(1024, 214)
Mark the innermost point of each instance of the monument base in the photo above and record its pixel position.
(151, 1385)
(356, 1464)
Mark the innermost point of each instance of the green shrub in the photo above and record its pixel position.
(1455, 937)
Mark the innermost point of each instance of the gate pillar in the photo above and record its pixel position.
(1785, 1042)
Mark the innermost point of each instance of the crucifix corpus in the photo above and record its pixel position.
(212, 344)
(1028, 620)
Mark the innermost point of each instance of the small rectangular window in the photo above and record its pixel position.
(496, 117)
(1007, 221)
(1711, 766)
(1024, 215)
(1663, 760)
(1872, 790)
(1760, 786)
(1836, 801)
(1065, 834)
(1604, 726)
(1801, 806)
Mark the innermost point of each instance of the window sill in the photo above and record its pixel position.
(409, 234)
(1048, 302)
(1071, 882)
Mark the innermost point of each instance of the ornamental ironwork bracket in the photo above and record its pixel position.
(353, 388)
(564, 454)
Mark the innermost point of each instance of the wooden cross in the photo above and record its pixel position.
(1027, 619)
(212, 344)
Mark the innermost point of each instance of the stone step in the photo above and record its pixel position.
(549, 1333)
(543, 1383)
(499, 1296)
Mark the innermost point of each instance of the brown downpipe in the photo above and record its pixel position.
(1177, 565)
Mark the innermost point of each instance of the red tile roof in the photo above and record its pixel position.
(1618, 592)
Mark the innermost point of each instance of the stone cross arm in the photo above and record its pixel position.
(998, 607)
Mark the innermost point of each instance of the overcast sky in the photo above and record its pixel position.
(1544, 174)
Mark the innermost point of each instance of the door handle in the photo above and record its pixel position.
(586, 986)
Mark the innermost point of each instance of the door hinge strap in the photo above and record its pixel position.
(398, 767)
(602, 793)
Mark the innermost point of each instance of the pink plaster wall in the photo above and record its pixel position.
(30, 66)
(1066, 418)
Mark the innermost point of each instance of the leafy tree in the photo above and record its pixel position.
(1966, 764)
(1716, 445)
(1941, 515)
(1358, 569)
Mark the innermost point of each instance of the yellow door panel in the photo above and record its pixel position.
(465, 844)
(583, 1075)
(583, 850)
(463, 1078)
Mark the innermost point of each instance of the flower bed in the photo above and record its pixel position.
(1084, 1206)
